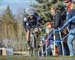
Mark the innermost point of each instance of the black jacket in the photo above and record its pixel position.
(57, 20)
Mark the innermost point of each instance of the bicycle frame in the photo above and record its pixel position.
(34, 43)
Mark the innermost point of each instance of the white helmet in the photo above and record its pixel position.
(30, 11)
(73, 1)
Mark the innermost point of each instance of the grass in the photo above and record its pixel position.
(37, 58)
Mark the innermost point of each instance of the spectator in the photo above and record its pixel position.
(71, 26)
(57, 20)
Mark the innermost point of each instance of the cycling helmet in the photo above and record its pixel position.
(30, 11)
(73, 1)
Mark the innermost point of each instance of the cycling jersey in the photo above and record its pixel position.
(31, 22)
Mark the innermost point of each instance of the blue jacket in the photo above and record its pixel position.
(69, 16)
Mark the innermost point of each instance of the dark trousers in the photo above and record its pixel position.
(58, 42)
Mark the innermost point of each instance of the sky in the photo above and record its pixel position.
(15, 5)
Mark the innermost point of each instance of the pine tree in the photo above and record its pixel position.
(7, 16)
(8, 23)
(43, 7)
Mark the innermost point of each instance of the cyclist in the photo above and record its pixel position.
(31, 21)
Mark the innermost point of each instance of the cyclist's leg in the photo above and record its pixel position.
(28, 38)
(36, 40)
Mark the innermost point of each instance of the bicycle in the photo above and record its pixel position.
(34, 42)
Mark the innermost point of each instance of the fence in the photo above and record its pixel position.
(62, 39)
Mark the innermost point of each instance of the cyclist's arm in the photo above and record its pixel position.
(26, 24)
